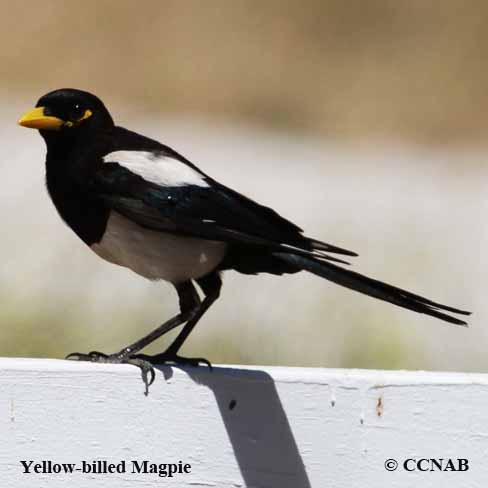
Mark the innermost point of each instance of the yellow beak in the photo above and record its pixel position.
(35, 119)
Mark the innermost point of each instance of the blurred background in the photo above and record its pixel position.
(364, 122)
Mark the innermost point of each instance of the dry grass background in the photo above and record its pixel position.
(413, 70)
(329, 95)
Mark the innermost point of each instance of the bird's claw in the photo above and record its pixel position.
(147, 371)
(94, 356)
(168, 357)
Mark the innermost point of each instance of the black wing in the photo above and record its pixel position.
(212, 212)
(219, 213)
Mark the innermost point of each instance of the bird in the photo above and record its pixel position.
(139, 204)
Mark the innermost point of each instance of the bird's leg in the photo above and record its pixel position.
(189, 306)
(211, 285)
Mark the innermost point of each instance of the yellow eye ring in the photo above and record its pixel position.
(88, 113)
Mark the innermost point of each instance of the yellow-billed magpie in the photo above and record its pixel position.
(139, 204)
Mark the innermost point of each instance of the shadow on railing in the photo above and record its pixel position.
(257, 425)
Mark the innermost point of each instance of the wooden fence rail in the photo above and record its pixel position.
(62, 422)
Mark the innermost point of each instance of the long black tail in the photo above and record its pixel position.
(373, 288)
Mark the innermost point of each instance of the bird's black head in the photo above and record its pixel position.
(66, 114)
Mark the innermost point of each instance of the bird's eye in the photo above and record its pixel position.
(76, 113)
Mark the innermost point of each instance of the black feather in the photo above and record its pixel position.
(214, 212)
(373, 288)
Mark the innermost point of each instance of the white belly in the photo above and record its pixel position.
(157, 255)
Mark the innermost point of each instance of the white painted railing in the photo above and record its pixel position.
(240, 427)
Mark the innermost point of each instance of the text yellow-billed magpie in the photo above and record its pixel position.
(139, 204)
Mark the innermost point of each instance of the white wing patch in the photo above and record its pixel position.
(162, 170)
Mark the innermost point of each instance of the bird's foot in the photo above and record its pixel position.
(147, 370)
(171, 357)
